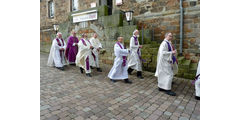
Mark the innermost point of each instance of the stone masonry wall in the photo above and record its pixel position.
(156, 17)
(164, 16)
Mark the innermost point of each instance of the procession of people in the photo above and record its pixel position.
(84, 53)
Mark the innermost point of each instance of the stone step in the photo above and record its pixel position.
(189, 76)
(193, 68)
(185, 64)
(180, 59)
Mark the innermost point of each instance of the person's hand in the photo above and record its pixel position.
(174, 52)
(140, 46)
(62, 49)
(91, 47)
(98, 49)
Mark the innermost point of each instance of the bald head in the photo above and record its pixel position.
(74, 33)
(59, 35)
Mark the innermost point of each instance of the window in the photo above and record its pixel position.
(74, 5)
(51, 9)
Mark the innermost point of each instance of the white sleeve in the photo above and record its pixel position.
(120, 52)
(82, 46)
(132, 43)
(64, 45)
(56, 46)
(100, 45)
(164, 50)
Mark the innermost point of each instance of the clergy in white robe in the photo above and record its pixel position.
(95, 52)
(119, 69)
(197, 82)
(56, 56)
(134, 58)
(83, 56)
(165, 61)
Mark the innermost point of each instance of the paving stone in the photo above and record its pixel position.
(167, 113)
(68, 95)
(183, 118)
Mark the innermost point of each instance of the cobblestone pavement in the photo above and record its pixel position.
(69, 95)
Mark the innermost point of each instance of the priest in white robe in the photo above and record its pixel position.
(83, 56)
(197, 82)
(56, 56)
(165, 62)
(95, 52)
(119, 69)
(134, 58)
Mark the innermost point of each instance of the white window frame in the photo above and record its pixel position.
(51, 11)
(74, 4)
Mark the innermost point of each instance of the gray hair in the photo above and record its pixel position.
(167, 34)
(135, 31)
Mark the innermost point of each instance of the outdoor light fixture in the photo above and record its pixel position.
(56, 27)
(129, 16)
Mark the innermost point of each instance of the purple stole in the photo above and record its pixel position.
(173, 57)
(136, 43)
(94, 57)
(87, 60)
(196, 78)
(59, 44)
(124, 57)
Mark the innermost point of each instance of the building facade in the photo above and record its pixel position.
(107, 18)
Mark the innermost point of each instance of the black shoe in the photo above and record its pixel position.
(139, 74)
(60, 68)
(113, 80)
(127, 81)
(89, 75)
(99, 69)
(73, 64)
(197, 98)
(91, 67)
(130, 71)
(81, 70)
(160, 89)
(169, 92)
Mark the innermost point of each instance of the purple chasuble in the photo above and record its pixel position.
(71, 51)
(124, 57)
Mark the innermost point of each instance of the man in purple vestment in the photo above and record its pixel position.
(72, 48)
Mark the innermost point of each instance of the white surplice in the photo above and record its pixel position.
(134, 61)
(197, 82)
(118, 71)
(96, 44)
(164, 69)
(84, 52)
(54, 58)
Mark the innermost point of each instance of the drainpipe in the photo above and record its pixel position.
(181, 27)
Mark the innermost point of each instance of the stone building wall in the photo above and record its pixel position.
(156, 17)
(164, 16)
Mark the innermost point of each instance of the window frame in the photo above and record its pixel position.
(51, 6)
(72, 5)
